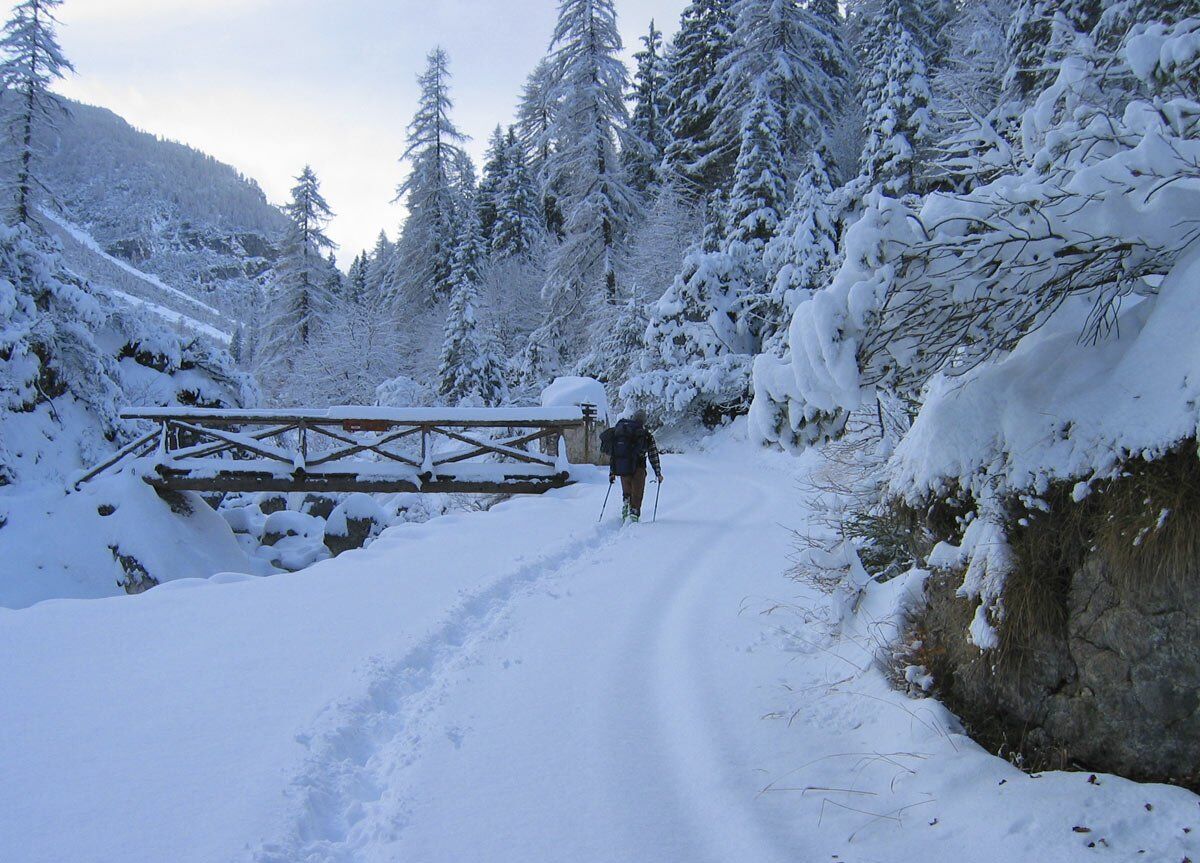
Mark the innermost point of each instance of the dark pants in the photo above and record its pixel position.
(633, 489)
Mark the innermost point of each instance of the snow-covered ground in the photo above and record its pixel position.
(525, 684)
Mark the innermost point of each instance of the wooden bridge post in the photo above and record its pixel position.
(589, 425)
(302, 433)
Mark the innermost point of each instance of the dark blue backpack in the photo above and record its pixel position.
(626, 446)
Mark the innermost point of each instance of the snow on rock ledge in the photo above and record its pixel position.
(1056, 409)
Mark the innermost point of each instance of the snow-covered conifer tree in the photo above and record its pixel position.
(302, 299)
(698, 157)
(759, 195)
(1029, 36)
(535, 118)
(30, 62)
(356, 279)
(585, 166)
(900, 125)
(781, 51)
(648, 137)
(518, 222)
(495, 168)
(469, 370)
(380, 264)
(430, 191)
(48, 349)
(802, 253)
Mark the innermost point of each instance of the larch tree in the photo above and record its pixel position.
(31, 63)
(585, 165)
(431, 191)
(698, 158)
(302, 301)
(535, 120)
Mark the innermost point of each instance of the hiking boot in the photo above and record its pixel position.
(635, 516)
(625, 510)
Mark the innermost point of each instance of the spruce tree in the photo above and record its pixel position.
(430, 191)
(302, 300)
(802, 253)
(698, 158)
(357, 279)
(781, 51)
(495, 168)
(31, 62)
(899, 127)
(379, 265)
(585, 166)
(469, 370)
(648, 137)
(1029, 37)
(759, 195)
(517, 219)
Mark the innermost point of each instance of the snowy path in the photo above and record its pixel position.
(587, 720)
(522, 685)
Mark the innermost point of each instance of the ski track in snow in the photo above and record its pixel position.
(372, 737)
(354, 796)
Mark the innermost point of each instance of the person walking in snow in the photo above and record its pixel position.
(629, 444)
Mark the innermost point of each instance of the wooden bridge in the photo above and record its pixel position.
(357, 449)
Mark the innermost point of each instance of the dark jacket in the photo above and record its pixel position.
(644, 447)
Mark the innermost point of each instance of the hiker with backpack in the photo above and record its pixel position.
(629, 444)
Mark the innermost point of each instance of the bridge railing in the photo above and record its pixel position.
(485, 450)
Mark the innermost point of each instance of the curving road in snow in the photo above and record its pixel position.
(519, 685)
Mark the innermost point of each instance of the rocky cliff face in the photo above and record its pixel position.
(1113, 686)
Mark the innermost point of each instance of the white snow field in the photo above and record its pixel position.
(524, 684)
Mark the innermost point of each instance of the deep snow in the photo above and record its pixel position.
(526, 684)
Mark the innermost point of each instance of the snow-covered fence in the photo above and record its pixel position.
(356, 449)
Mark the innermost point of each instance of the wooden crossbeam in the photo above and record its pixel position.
(203, 450)
(356, 447)
(514, 442)
(488, 447)
(238, 441)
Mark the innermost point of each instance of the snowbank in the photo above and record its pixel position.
(57, 545)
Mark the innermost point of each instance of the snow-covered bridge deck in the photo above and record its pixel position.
(349, 449)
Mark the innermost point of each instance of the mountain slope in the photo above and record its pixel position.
(164, 207)
(130, 286)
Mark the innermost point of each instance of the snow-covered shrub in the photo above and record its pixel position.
(403, 392)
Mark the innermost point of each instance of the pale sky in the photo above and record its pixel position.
(269, 85)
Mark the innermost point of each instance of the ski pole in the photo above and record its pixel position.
(601, 518)
(657, 492)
